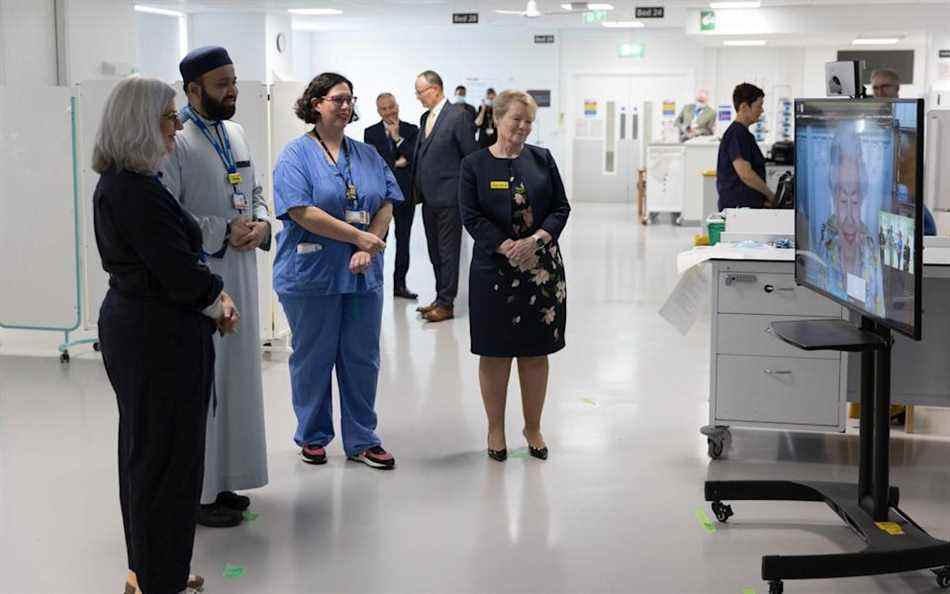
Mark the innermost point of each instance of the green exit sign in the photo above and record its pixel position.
(631, 50)
(595, 16)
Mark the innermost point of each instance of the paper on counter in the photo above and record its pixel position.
(687, 300)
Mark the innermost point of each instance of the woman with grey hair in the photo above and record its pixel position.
(155, 329)
(513, 204)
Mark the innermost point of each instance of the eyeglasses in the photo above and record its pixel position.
(341, 100)
(419, 93)
(174, 116)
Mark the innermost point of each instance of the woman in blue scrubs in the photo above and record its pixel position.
(335, 196)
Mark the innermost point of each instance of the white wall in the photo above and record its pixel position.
(98, 31)
(280, 66)
(243, 34)
(27, 42)
(157, 45)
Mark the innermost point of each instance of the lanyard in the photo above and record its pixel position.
(351, 194)
(227, 158)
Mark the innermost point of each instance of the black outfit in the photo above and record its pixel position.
(158, 352)
(738, 143)
(404, 212)
(435, 175)
(487, 134)
(469, 109)
(515, 312)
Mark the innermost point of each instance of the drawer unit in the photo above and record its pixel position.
(749, 335)
(779, 390)
(770, 294)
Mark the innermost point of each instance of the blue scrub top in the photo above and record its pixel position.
(310, 264)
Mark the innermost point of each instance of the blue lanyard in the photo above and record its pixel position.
(227, 158)
(352, 195)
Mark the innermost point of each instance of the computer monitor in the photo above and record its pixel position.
(859, 205)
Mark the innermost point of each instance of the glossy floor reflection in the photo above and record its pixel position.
(611, 511)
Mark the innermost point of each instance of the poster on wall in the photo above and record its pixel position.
(669, 108)
(590, 108)
(707, 20)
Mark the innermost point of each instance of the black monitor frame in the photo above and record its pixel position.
(913, 332)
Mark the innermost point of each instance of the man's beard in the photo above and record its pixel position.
(215, 110)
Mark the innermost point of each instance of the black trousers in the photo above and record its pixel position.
(403, 215)
(160, 361)
(444, 239)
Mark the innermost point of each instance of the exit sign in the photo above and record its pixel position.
(650, 12)
(464, 18)
(595, 16)
(631, 50)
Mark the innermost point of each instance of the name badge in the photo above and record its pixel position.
(235, 178)
(499, 185)
(357, 217)
(239, 201)
(308, 248)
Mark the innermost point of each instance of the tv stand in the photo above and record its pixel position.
(895, 543)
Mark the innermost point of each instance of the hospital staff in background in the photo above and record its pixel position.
(740, 169)
(696, 119)
(155, 330)
(395, 140)
(212, 176)
(335, 196)
(461, 99)
(514, 206)
(485, 121)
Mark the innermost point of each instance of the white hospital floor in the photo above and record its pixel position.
(612, 510)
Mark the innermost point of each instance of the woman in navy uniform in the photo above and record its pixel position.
(513, 204)
(155, 329)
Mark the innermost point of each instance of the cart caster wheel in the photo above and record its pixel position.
(653, 216)
(677, 219)
(64, 358)
(943, 577)
(715, 448)
(723, 512)
(776, 588)
(96, 347)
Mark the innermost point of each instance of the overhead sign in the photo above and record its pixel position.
(590, 108)
(945, 53)
(464, 18)
(650, 12)
(631, 50)
(707, 20)
(541, 96)
(544, 38)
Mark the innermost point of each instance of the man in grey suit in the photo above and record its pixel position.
(446, 136)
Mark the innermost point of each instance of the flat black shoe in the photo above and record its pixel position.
(233, 501)
(218, 516)
(539, 453)
(404, 293)
(500, 455)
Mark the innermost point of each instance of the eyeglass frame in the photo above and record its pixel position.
(340, 100)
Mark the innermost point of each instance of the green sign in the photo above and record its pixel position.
(631, 50)
(595, 16)
(707, 20)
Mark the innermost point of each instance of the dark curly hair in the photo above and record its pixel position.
(318, 89)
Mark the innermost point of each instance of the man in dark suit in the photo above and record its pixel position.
(446, 136)
(396, 142)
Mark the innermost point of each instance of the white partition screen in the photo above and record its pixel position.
(38, 219)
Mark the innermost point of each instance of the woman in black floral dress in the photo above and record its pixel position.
(513, 204)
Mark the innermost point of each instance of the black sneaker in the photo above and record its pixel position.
(313, 454)
(218, 516)
(233, 501)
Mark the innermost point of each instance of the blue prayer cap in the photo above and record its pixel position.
(201, 60)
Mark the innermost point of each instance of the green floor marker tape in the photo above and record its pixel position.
(748, 591)
(589, 401)
(250, 516)
(522, 453)
(233, 572)
(708, 525)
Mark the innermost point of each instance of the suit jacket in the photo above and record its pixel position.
(376, 136)
(486, 211)
(705, 123)
(435, 171)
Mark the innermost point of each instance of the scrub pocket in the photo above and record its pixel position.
(310, 266)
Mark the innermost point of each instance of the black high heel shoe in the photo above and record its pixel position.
(500, 455)
(539, 453)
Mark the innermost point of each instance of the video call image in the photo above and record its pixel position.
(856, 194)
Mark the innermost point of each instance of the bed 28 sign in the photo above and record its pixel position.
(464, 18)
(650, 12)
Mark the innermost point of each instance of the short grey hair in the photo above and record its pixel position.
(887, 73)
(385, 95)
(130, 133)
(506, 99)
(845, 147)
(432, 77)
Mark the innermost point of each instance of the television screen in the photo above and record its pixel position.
(858, 205)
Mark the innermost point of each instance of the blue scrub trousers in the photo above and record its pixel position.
(339, 331)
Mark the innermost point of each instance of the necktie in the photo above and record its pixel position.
(430, 122)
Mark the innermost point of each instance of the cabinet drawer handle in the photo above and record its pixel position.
(777, 372)
(772, 289)
(731, 279)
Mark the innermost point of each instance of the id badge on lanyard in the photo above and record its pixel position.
(238, 199)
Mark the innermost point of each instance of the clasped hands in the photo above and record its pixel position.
(247, 235)
(367, 246)
(522, 253)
